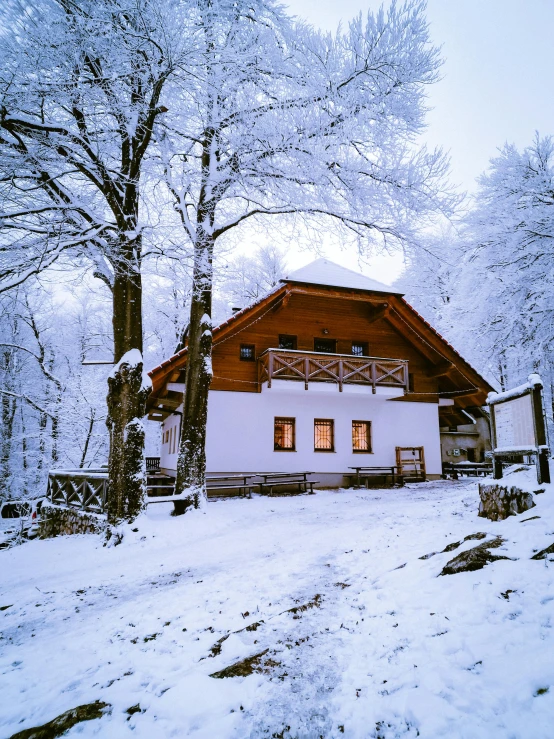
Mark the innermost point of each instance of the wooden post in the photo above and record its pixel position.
(496, 461)
(269, 369)
(306, 372)
(341, 374)
(373, 377)
(543, 468)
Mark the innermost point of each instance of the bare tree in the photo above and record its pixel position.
(280, 121)
(80, 92)
(52, 405)
(248, 277)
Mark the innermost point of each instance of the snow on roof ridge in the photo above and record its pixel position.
(323, 271)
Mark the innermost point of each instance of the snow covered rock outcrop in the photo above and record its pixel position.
(474, 559)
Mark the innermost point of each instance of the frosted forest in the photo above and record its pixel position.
(164, 164)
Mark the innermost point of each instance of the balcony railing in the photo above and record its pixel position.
(341, 369)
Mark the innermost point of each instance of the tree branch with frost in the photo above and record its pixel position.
(30, 401)
(278, 120)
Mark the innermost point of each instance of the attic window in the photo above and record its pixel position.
(360, 348)
(286, 341)
(247, 353)
(328, 346)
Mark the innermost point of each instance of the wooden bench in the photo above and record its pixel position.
(216, 487)
(471, 470)
(367, 473)
(298, 480)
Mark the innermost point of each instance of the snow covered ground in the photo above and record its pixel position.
(377, 644)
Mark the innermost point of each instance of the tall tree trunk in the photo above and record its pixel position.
(24, 460)
(42, 432)
(191, 464)
(6, 437)
(126, 392)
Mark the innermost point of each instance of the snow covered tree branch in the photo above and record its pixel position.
(279, 120)
(81, 89)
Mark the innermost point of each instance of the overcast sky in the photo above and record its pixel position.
(497, 86)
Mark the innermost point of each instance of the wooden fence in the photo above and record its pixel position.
(85, 490)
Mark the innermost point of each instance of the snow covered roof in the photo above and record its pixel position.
(325, 272)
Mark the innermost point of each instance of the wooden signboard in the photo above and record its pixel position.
(518, 427)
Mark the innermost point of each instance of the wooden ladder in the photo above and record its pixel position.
(411, 463)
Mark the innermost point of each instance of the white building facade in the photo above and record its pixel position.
(301, 385)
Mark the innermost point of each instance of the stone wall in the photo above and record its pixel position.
(61, 521)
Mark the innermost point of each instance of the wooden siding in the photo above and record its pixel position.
(306, 316)
(387, 323)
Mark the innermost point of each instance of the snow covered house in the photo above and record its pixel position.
(329, 371)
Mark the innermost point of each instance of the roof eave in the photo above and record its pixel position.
(342, 287)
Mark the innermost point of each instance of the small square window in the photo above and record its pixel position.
(284, 435)
(328, 346)
(247, 353)
(361, 437)
(360, 348)
(286, 341)
(324, 435)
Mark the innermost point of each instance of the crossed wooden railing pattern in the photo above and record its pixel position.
(278, 364)
(85, 490)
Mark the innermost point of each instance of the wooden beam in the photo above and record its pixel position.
(440, 369)
(342, 295)
(158, 415)
(416, 398)
(282, 303)
(377, 311)
(411, 335)
(169, 403)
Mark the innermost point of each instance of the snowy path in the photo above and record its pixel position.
(380, 650)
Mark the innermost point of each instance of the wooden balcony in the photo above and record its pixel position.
(341, 369)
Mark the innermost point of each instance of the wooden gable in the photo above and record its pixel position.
(386, 323)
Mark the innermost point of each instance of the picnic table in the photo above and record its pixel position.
(471, 470)
(367, 472)
(215, 487)
(273, 480)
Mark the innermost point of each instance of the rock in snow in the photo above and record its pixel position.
(499, 501)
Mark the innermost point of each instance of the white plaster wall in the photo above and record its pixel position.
(167, 460)
(240, 429)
